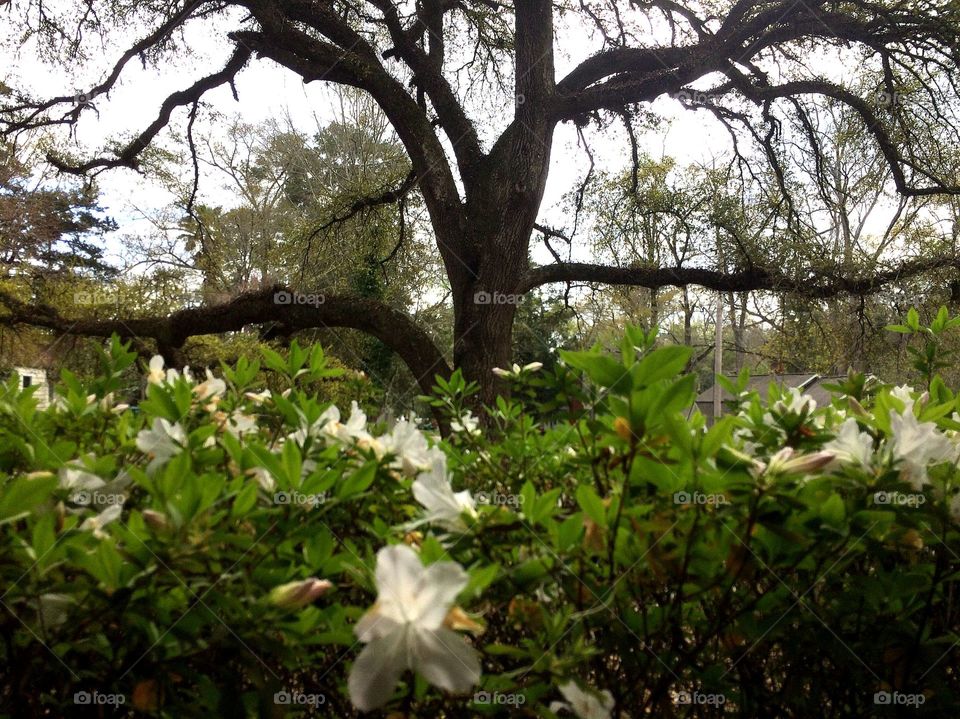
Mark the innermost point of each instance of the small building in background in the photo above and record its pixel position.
(35, 377)
(807, 383)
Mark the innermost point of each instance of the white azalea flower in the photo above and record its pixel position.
(405, 630)
(917, 445)
(211, 388)
(444, 506)
(355, 428)
(467, 424)
(240, 424)
(78, 479)
(409, 444)
(318, 429)
(97, 523)
(162, 442)
(904, 393)
(586, 705)
(156, 375)
(795, 401)
(258, 397)
(264, 478)
(329, 426)
(532, 367)
(851, 446)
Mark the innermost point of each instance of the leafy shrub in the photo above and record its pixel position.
(590, 549)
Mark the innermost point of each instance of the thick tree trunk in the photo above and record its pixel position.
(484, 341)
(501, 210)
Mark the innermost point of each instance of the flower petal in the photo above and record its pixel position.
(445, 660)
(398, 573)
(375, 672)
(438, 590)
(374, 625)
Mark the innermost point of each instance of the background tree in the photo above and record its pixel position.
(434, 66)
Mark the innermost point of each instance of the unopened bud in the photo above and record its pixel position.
(786, 461)
(156, 520)
(294, 595)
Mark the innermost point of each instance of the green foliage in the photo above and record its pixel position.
(790, 560)
(931, 356)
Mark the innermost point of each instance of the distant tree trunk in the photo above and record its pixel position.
(654, 307)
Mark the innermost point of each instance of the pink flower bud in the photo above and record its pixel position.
(294, 595)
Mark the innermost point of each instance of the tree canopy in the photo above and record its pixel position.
(475, 89)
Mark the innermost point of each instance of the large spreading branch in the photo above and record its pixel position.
(819, 283)
(394, 328)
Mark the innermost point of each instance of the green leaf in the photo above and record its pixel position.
(528, 497)
(292, 464)
(591, 504)
(569, 532)
(663, 363)
(833, 511)
(358, 481)
(43, 539)
(545, 505)
(245, 499)
(318, 548)
(676, 397)
(480, 579)
(913, 319)
(603, 370)
(20, 496)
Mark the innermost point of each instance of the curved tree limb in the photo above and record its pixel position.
(127, 157)
(394, 328)
(818, 283)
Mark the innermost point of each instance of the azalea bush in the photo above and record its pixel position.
(587, 547)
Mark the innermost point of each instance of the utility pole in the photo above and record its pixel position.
(718, 359)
